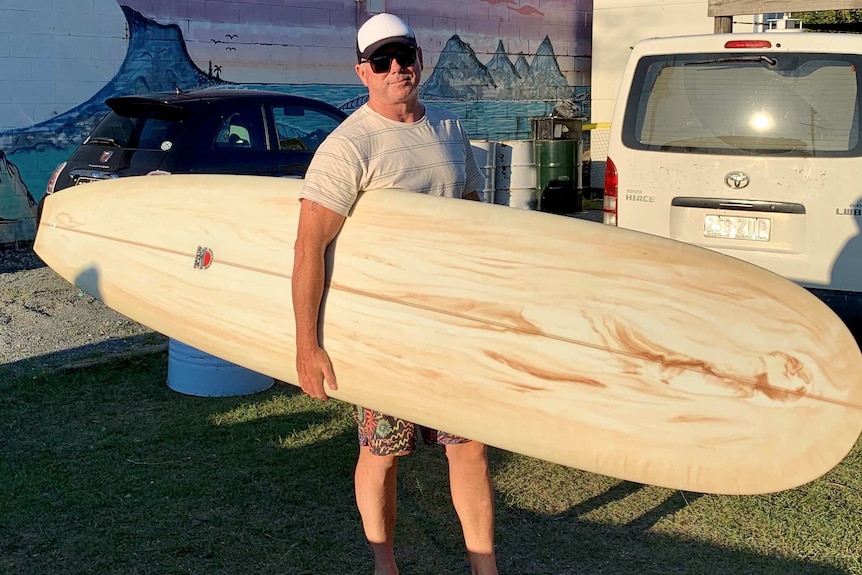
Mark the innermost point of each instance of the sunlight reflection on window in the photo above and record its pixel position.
(760, 121)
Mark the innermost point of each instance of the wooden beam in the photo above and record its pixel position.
(734, 7)
(723, 24)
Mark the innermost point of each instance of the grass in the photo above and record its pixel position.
(105, 470)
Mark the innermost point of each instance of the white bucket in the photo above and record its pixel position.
(194, 372)
(516, 174)
(485, 153)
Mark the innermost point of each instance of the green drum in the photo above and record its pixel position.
(556, 176)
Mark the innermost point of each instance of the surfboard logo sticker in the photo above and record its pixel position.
(203, 258)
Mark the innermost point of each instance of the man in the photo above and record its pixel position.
(393, 141)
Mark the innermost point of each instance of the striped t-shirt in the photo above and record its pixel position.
(368, 151)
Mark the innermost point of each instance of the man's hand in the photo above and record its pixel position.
(314, 367)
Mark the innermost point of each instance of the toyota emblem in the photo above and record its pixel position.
(736, 180)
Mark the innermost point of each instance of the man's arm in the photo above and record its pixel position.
(317, 227)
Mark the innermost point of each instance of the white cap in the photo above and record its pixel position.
(380, 30)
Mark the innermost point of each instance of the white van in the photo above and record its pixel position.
(748, 144)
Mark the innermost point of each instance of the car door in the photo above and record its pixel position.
(233, 140)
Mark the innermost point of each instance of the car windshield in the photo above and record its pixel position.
(769, 104)
(143, 130)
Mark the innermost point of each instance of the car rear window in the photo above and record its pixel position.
(302, 128)
(786, 104)
(139, 128)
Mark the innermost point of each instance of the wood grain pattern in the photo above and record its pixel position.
(603, 349)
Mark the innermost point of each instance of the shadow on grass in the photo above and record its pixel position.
(623, 529)
(572, 545)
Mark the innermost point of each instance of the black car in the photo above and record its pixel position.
(209, 131)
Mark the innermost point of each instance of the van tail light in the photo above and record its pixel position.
(52, 181)
(609, 204)
(739, 44)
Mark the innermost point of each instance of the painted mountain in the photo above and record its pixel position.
(545, 74)
(522, 67)
(502, 71)
(18, 208)
(459, 75)
(156, 61)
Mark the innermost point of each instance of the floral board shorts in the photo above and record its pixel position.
(387, 435)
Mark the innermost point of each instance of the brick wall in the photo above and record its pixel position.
(55, 55)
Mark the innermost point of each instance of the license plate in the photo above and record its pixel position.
(737, 228)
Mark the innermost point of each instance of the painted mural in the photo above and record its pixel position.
(494, 98)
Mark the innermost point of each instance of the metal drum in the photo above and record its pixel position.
(193, 372)
(516, 174)
(485, 153)
(558, 168)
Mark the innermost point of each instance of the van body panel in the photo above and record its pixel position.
(752, 152)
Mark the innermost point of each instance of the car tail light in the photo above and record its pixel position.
(609, 204)
(52, 181)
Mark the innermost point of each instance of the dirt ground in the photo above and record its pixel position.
(45, 322)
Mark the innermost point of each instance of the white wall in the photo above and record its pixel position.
(619, 24)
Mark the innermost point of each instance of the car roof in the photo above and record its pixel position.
(209, 95)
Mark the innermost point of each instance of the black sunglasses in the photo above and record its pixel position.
(380, 64)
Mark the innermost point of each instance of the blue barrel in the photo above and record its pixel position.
(193, 372)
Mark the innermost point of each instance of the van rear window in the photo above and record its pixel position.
(746, 104)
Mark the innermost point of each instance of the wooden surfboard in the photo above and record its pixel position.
(598, 348)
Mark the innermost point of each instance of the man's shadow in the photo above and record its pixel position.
(846, 275)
